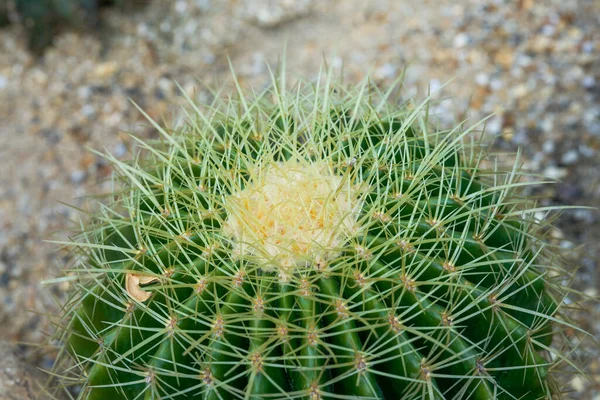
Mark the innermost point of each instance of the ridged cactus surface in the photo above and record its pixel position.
(312, 243)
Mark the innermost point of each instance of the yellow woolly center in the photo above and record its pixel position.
(292, 214)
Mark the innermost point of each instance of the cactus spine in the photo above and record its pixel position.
(310, 244)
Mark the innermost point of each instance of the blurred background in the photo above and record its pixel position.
(69, 68)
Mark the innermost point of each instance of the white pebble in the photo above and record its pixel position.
(482, 79)
(191, 27)
(386, 71)
(588, 47)
(592, 292)
(588, 81)
(461, 40)
(208, 57)
(587, 151)
(566, 244)
(337, 62)
(77, 176)
(548, 146)
(539, 216)
(120, 150)
(548, 30)
(88, 110)
(547, 124)
(203, 5)
(553, 172)
(142, 29)
(84, 92)
(494, 125)
(165, 26)
(578, 384)
(523, 60)
(496, 84)
(570, 157)
(180, 6)
(434, 85)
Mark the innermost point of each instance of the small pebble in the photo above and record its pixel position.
(105, 70)
(494, 125)
(548, 30)
(586, 151)
(202, 5)
(548, 146)
(208, 57)
(482, 79)
(461, 40)
(555, 173)
(143, 29)
(88, 110)
(120, 150)
(588, 47)
(588, 82)
(180, 6)
(78, 176)
(584, 215)
(496, 84)
(578, 384)
(165, 26)
(570, 157)
(434, 85)
(386, 71)
(84, 92)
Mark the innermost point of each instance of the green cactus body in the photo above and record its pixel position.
(43, 19)
(321, 245)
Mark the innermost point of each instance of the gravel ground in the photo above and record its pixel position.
(534, 65)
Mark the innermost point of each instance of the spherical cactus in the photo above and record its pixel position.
(43, 19)
(313, 243)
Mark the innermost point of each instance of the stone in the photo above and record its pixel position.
(588, 82)
(385, 71)
(16, 379)
(570, 157)
(505, 57)
(482, 79)
(578, 384)
(461, 40)
(105, 70)
(78, 176)
(271, 13)
(553, 172)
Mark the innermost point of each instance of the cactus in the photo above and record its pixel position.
(42, 19)
(314, 243)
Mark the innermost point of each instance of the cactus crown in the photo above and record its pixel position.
(291, 214)
(319, 242)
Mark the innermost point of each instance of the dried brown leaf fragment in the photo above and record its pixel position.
(132, 285)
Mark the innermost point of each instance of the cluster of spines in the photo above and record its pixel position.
(442, 295)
